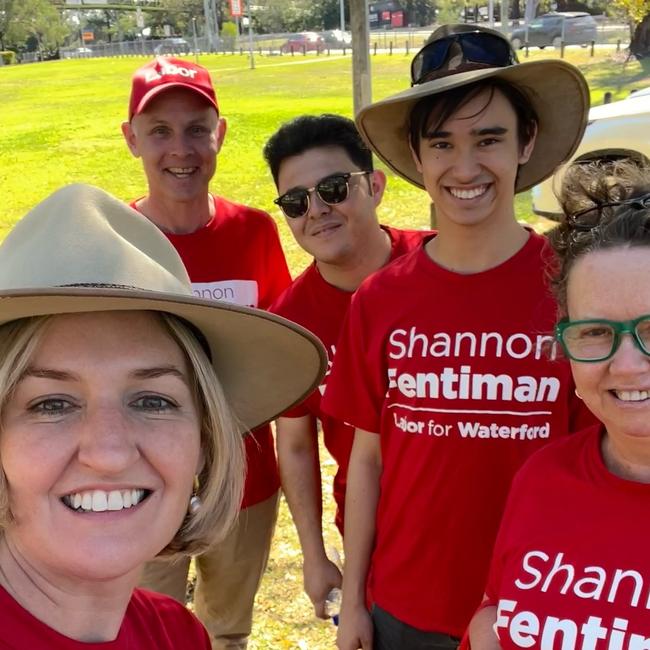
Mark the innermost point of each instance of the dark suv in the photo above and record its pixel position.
(574, 27)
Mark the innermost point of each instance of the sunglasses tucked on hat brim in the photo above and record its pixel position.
(557, 91)
(82, 250)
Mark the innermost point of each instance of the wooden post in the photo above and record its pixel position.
(362, 92)
(593, 47)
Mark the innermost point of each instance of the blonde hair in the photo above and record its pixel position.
(221, 479)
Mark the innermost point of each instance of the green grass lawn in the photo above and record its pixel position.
(60, 123)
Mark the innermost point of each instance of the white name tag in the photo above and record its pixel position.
(239, 292)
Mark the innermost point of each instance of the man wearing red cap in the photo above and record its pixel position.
(232, 252)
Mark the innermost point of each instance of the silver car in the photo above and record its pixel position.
(617, 130)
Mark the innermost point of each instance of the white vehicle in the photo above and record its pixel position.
(617, 130)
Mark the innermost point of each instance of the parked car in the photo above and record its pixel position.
(309, 41)
(617, 130)
(572, 27)
(335, 38)
(172, 46)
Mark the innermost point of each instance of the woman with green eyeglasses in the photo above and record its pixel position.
(571, 566)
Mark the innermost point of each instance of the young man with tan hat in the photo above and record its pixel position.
(442, 366)
(232, 253)
(336, 222)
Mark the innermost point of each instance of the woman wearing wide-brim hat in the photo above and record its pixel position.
(123, 402)
(444, 386)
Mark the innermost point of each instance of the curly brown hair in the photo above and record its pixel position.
(606, 205)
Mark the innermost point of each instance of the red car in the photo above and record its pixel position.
(309, 41)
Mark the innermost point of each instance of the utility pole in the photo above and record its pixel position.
(361, 87)
(250, 36)
(505, 16)
(211, 27)
(342, 8)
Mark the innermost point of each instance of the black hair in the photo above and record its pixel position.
(589, 224)
(431, 112)
(310, 131)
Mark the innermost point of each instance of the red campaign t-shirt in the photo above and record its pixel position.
(237, 257)
(320, 307)
(571, 567)
(452, 371)
(151, 621)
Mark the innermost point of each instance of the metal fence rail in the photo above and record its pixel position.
(283, 44)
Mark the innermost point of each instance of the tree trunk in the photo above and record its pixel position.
(640, 43)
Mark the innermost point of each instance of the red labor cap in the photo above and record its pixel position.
(164, 73)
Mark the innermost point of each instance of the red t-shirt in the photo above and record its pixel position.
(151, 621)
(451, 370)
(237, 257)
(571, 567)
(320, 307)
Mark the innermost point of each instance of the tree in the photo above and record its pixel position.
(419, 12)
(178, 15)
(637, 13)
(272, 16)
(38, 20)
(449, 11)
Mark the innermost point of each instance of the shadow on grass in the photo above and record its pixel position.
(623, 73)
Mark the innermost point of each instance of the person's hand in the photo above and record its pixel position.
(319, 578)
(355, 629)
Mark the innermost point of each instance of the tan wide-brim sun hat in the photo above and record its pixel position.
(557, 90)
(82, 250)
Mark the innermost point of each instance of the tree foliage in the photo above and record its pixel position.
(634, 10)
(275, 16)
(419, 12)
(35, 21)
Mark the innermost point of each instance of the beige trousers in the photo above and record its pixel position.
(228, 576)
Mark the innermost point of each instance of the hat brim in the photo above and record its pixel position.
(157, 90)
(265, 363)
(558, 93)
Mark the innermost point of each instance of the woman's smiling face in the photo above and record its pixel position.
(99, 445)
(613, 284)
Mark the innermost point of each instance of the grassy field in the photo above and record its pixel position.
(60, 123)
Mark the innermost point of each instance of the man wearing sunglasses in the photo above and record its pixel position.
(232, 253)
(329, 194)
(441, 364)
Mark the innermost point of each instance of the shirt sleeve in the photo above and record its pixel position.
(510, 514)
(297, 411)
(357, 385)
(277, 273)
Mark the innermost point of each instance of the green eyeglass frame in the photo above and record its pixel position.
(619, 328)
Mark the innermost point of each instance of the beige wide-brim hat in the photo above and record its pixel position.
(557, 90)
(82, 250)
